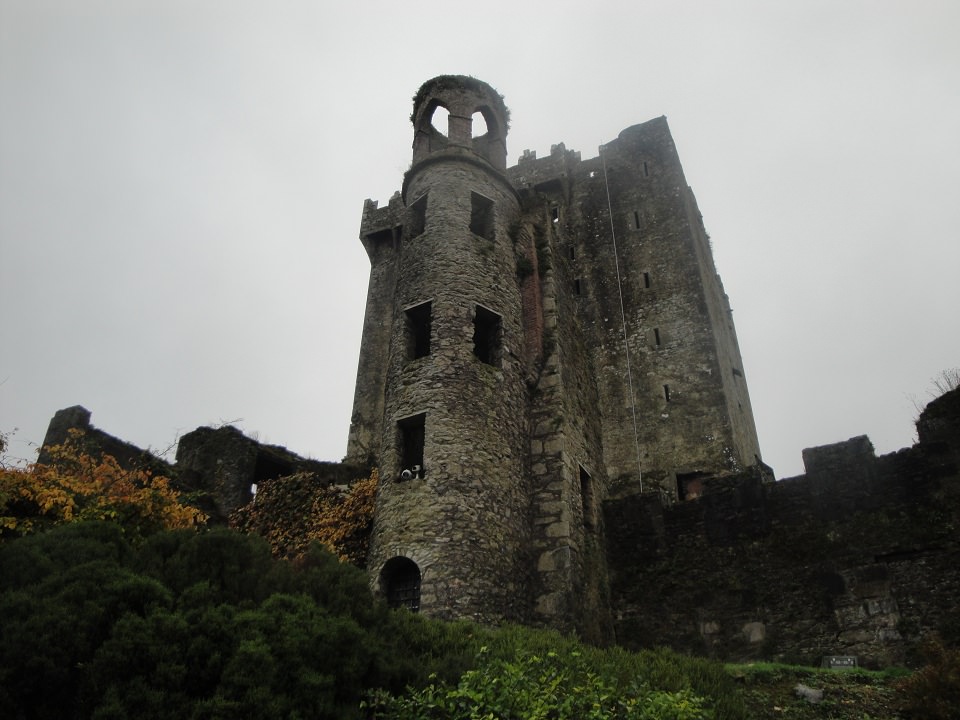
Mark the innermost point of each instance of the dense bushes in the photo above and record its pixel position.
(188, 624)
(933, 692)
(561, 686)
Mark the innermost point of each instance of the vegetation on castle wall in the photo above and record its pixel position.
(76, 484)
(292, 511)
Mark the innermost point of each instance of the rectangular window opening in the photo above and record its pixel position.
(410, 439)
(646, 170)
(690, 485)
(487, 329)
(656, 337)
(417, 220)
(481, 216)
(578, 286)
(555, 213)
(636, 220)
(418, 331)
(646, 280)
(572, 253)
(666, 393)
(586, 498)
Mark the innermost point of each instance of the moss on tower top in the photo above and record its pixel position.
(460, 82)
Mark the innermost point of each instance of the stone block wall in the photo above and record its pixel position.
(98, 441)
(859, 556)
(218, 467)
(222, 466)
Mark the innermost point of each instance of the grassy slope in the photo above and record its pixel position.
(847, 694)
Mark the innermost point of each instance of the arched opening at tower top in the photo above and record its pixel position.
(479, 126)
(400, 583)
(440, 119)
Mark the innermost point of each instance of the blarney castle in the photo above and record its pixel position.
(550, 385)
(537, 338)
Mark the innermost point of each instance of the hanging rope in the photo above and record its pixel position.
(623, 319)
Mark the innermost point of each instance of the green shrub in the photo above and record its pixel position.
(933, 692)
(532, 686)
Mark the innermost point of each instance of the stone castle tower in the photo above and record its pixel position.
(536, 339)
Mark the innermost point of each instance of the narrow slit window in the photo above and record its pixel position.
(481, 216)
(646, 170)
(572, 253)
(666, 393)
(656, 337)
(586, 498)
(636, 220)
(411, 434)
(487, 329)
(417, 221)
(418, 331)
(555, 213)
(577, 286)
(646, 280)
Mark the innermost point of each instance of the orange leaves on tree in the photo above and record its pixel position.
(344, 525)
(292, 511)
(79, 485)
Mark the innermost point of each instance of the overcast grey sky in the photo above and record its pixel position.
(181, 183)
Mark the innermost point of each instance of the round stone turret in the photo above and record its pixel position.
(470, 103)
(452, 526)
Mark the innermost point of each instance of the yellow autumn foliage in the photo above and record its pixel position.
(292, 511)
(78, 485)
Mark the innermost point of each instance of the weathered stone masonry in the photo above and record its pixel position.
(523, 440)
(860, 556)
(504, 308)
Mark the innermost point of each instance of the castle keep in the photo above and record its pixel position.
(550, 385)
(537, 339)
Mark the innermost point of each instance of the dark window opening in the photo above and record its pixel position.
(267, 467)
(666, 393)
(737, 372)
(418, 331)
(646, 171)
(690, 485)
(586, 498)
(572, 253)
(481, 216)
(382, 237)
(646, 279)
(555, 213)
(411, 432)
(487, 327)
(577, 286)
(417, 221)
(656, 337)
(400, 582)
(636, 220)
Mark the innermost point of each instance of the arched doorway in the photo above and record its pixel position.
(400, 583)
